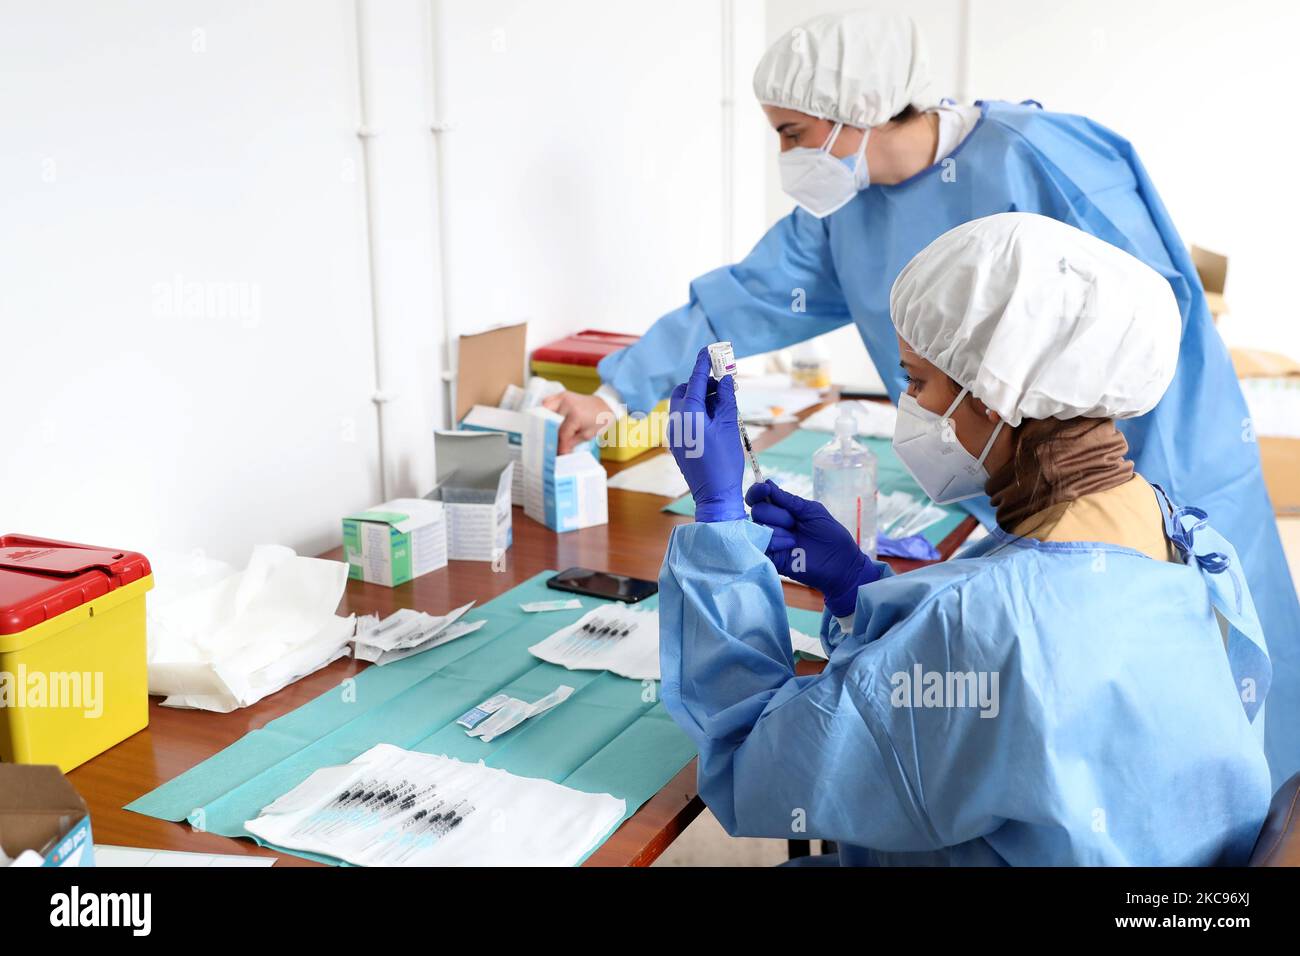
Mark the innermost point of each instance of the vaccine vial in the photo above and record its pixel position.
(723, 359)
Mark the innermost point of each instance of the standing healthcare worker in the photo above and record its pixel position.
(877, 177)
(1082, 687)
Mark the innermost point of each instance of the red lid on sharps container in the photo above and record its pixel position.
(41, 578)
(587, 347)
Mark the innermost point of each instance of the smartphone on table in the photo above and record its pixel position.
(603, 584)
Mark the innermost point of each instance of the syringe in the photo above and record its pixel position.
(723, 362)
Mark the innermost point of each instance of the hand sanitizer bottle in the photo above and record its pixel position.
(844, 480)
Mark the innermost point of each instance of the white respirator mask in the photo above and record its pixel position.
(822, 183)
(927, 446)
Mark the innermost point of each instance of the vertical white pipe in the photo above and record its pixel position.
(728, 129)
(439, 128)
(365, 134)
(964, 52)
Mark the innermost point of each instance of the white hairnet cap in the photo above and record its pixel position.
(1039, 319)
(858, 68)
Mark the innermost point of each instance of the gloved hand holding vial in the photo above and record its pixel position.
(722, 360)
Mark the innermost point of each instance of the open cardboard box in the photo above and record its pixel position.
(396, 541)
(474, 480)
(43, 820)
(1212, 268)
(487, 363)
(1280, 456)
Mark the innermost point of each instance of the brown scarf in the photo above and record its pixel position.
(1057, 461)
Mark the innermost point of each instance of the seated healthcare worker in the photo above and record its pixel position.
(1080, 687)
(879, 171)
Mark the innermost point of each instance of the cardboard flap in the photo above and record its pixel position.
(1257, 363)
(486, 418)
(402, 514)
(470, 459)
(503, 484)
(37, 806)
(486, 363)
(1211, 267)
(577, 462)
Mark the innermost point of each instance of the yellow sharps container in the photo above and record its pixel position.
(73, 672)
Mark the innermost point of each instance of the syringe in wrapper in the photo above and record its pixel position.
(723, 362)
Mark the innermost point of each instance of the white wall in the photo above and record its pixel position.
(1200, 87)
(213, 144)
(585, 160)
(208, 146)
(1203, 90)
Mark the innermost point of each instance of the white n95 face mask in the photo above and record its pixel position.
(822, 183)
(927, 446)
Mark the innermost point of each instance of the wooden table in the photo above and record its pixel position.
(632, 543)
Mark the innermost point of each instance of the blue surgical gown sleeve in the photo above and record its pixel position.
(783, 292)
(784, 756)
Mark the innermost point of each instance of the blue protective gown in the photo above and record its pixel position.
(1116, 733)
(808, 276)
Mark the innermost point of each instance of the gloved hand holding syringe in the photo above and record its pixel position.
(723, 362)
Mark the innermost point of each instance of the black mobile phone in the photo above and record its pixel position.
(603, 584)
(848, 392)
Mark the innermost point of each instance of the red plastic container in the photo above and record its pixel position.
(73, 663)
(41, 578)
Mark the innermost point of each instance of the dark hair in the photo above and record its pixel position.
(908, 112)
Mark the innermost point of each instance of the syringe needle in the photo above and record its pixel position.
(749, 450)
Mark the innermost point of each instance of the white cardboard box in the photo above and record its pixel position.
(563, 492)
(487, 418)
(396, 541)
(475, 474)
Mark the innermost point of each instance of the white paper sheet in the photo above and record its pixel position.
(807, 645)
(497, 818)
(657, 475)
(800, 485)
(459, 629)
(133, 856)
(221, 639)
(596, 642)
(408, 631)
(759, 398)
(541, 607)
(875, 419)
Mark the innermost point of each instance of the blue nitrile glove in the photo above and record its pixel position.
(812, 547)
(705, 441)
(915, 547)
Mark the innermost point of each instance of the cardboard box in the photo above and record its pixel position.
(1257, 363)
(1280, 458)
(563, 492)
(486, 363)
(475, 474)
(1213, 271)
(1271, 384)
(43, 820)
(488, 418)
(396, 541)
